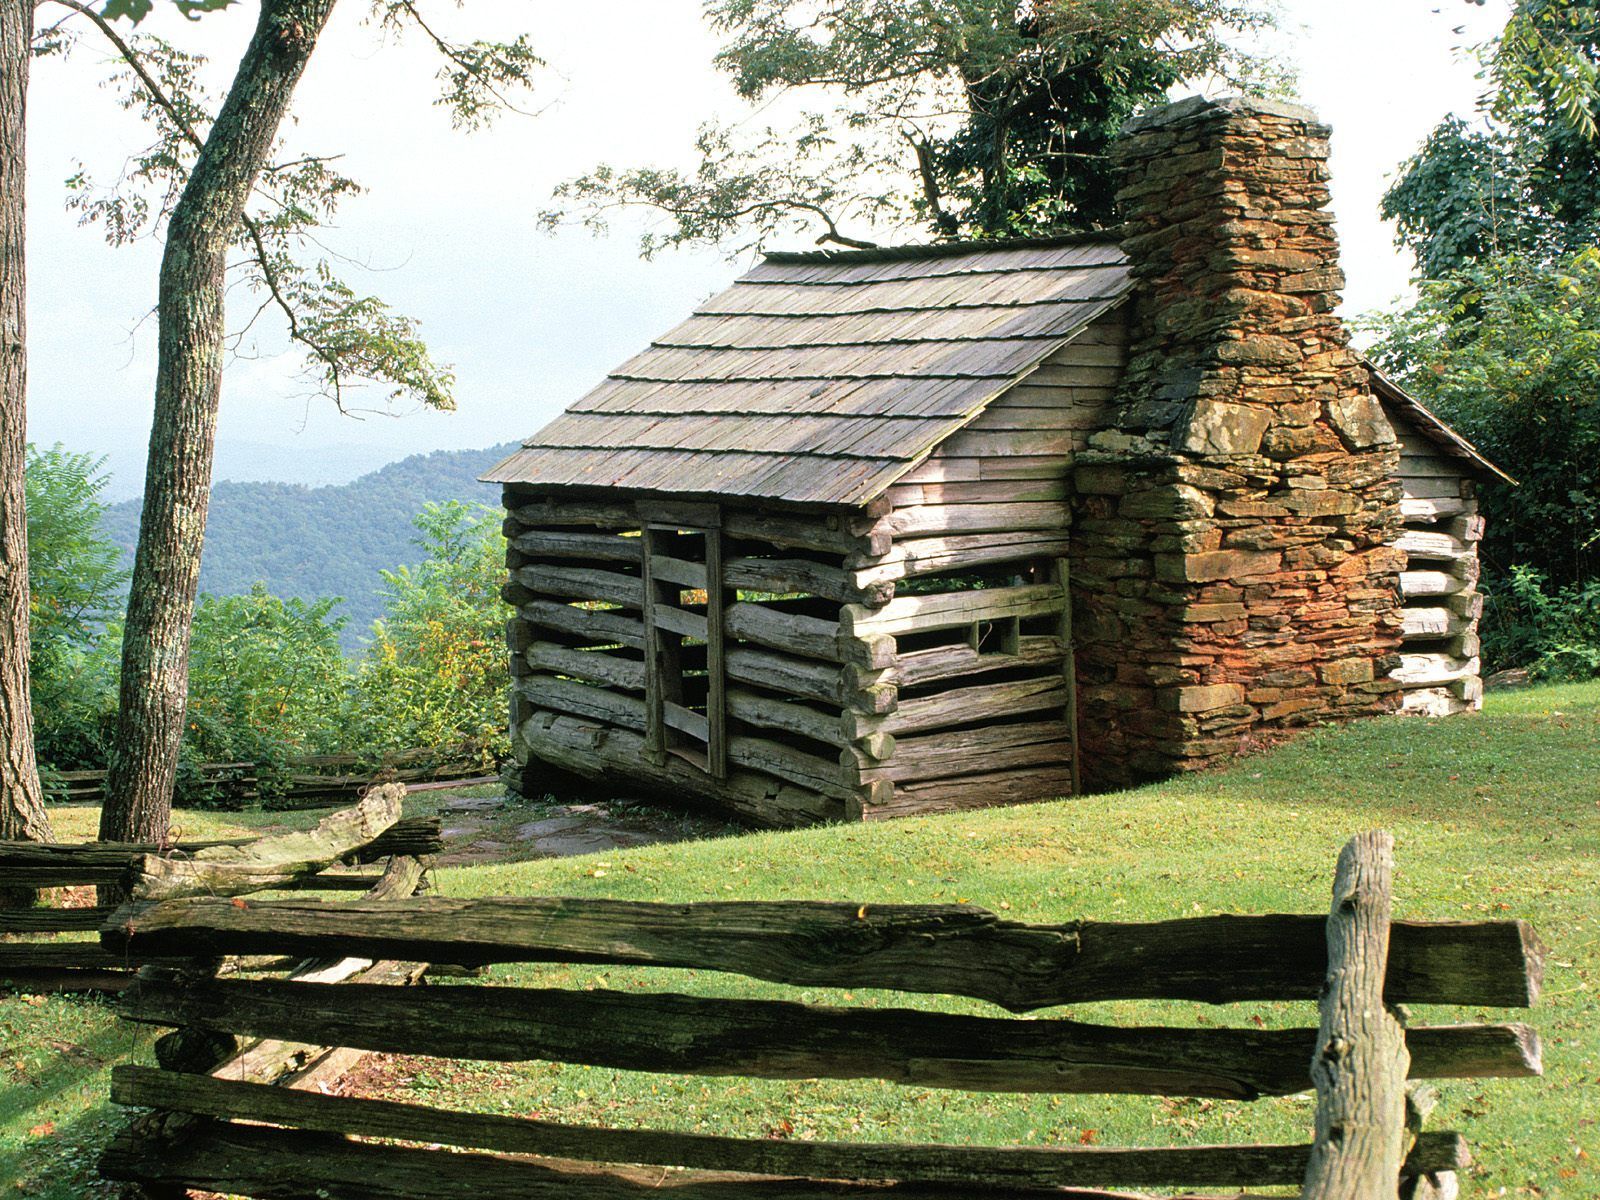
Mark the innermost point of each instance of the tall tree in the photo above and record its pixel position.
(972, 118)
(199, 179)
(22, 812)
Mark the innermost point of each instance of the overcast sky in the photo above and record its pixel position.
(447, 228)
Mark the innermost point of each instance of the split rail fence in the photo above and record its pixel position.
(213, 1130)
(39, 960)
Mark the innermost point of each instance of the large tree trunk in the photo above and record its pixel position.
(177, 489)
(22, 814)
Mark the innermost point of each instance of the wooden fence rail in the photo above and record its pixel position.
(371, 832)
(262, 1141)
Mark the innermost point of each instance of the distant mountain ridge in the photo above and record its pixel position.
(310, 542)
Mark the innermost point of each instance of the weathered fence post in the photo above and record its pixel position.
(1361, 1059)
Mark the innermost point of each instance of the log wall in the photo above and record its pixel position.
(874, 663)
(1439, 661)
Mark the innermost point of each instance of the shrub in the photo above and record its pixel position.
(1554, 633)
(436, 673)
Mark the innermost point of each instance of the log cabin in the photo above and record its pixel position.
(913, 529)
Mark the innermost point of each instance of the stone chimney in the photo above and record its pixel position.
(1231, 572)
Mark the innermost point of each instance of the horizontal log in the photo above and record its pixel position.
(1433, 508)
(964, 705)
(582, 583)
(1419, 544)
(953, 949)
(939, 663)
(946, 610)
(1432, 623)
(945, 467)
(830, 533)
(615, 757)
(969, 1166)
(61, 956)
(786, 676)
(277, 1164)
(602, 547)
(823, 775)
(415, 837)
(536, 513)
(977, 518)
(1027, 785)
(793, 633)
(582, 700)
(800, 576)
(596, 666)
(764, 711)
(978, 491)
(774, 1039)
(932, 555)
(1432, 583)
(969, 752)
(1434, 670)
(677, 570)
(686, 720)
(51, 920)
(680, 621)
(591, 626)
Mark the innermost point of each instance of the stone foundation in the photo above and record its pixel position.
(1230, 567)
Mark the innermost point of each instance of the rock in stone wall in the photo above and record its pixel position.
(1231, 567)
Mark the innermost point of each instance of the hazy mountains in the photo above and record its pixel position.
(325, 541)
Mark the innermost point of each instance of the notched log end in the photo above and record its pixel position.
(1533, 959)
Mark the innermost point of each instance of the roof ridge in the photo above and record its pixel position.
(914, 250)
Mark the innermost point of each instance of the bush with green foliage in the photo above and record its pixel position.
(1553, 632)
(436, 673)
(76, 581)
(267, 685)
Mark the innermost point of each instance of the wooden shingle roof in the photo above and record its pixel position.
(823, 377)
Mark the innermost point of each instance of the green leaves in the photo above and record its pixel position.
(972, 117)
(135, 11)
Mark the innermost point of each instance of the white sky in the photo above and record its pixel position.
(529, 321)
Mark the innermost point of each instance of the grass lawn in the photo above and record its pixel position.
(1494, 815)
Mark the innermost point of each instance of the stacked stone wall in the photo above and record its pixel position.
(1231, 568)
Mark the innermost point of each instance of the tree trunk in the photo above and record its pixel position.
(22, 815)
(166, 571)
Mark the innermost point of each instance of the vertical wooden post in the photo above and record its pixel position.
(716, 667)
(655, 735)
(1062, 573)
(1361, 1059)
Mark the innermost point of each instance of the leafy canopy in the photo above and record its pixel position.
(1523, 179)
(973, 118)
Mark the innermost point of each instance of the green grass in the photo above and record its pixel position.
(1494, 815)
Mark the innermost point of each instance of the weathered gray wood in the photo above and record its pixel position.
(960, 706)
(596, 666)
(269, 861)
(755, 708)
(786, 676)
(1430, 509)
(582, 583)
(590, 626)
(933, 555)
(536, 513)
(1361, 1060)
(677, 570)
(946, 610)
(582, 700)
(970, 1166)
(793, 633)
(717, 598)
(58, 956)
(823, 775)
(995, 491)
(52, 920)
(927, 519)
(1027, 786)
(830, 533)
(604, 547)
(939, 948)
(921, 667)
(616, 757)
(785, 576)
(1061, 575)
(771, 1039)
(283, 1164)
(968, 752)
